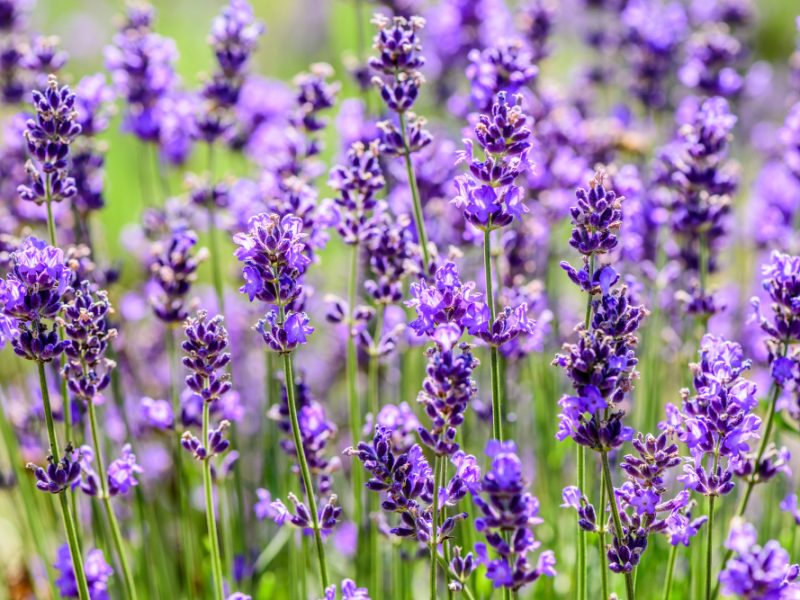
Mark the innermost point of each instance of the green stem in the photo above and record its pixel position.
(602, 540)
(211, 519)
(66, 514)
(497, 401)
(629, 591)
(673, 553)
(375, 563)
(304, 470)
(434, 527)
(180, 482)
(74, 548)
(422, 236)
(709, 546)
(581, 559)
(48, 200)
(127, 575)
(352, 385)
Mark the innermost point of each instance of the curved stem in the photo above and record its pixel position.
(673, 553)
(211, 519)
(629, 591)
(422, 236)
(304, 470)
(127, 575)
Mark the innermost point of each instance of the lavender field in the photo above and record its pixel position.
(400, 299)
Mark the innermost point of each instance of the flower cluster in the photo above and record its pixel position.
(357, 181)
(120, 476)
(49, 137)
(60, 474)
(142, 66)
(85, 322)
(446, 392)
(444, 301)
(505, 68)
(32, 292)
(716, 422)
(694, 169)
(328, 517)
(399, 79)
(488, 193)
(174, 270)
(233, 37)
(97, 571)
(206, 356)
(757, 572)
(508, 515)
(712, 56)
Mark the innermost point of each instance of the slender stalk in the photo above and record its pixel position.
(775, 392)
(74, 548)
(180, 482)
(581, 559)
(673, 553)
(434, 527)
(422, 236)
(211, 519)
(304, 470)
(601, 540)
(66, 513)
(127, 575)
(629, 591)
(375, 563)
(48, 200)
(497, 401)
(352, 385)
(710, 546)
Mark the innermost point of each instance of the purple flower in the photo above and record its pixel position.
(508, 515)
(756, 572)
(156, 413)
(95, 568)
(350, 591)
(487, 193)
(174, 270)
(357, 181)
(782, 284)
(59, 475)
(507, 67)
(508, 325)
(49, 137)
(122, 472)
(790, 505)
(85, 323)
(273, 253)
(206, 356)
(284, 337)
(446, 392)
(717, 422)
(445, 301)
(711, 65)
(399, 60)
(215, 444)
(142, 66)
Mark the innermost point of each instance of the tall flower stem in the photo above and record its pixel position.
(127, 575)
(177, 451)
(376, 564)
(304, 470)
(352, 383)
(211, 519)
(497, 401)
(673, 553)
(629, 591)
(66, 512)
(434, 526)
(710, 547)
(775, 392)
(601, 540)
(422, 236)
